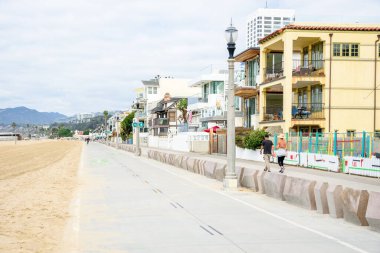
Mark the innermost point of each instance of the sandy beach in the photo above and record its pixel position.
(37, 183)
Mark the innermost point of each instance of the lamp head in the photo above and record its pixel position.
(231, 34)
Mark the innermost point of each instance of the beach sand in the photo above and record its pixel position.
(37, 183)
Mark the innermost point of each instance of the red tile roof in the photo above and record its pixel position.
(320, 28)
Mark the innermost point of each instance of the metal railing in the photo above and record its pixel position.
(308, 111)
(274, 72)
(308, 68)
(273, 113)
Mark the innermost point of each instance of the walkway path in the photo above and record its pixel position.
(130, 204)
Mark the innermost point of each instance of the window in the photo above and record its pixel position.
(302, 97)
(316, 98)
(217, 87)
(277, 18)
(154, 90)
(286, 19)
(350, 132)
(268, 18)
(267, 22)
(336, 49)
(277, 22)
(317, 55)
(172, 117)
(305, 59)
(150, 90)
(267, 26)
(205, 92)
(346, 49)
(354, 49)
(237, 103)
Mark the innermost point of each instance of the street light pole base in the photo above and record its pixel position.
(230, 182)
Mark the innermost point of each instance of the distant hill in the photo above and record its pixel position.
(24, 115)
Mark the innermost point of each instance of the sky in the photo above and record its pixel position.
(77, 56)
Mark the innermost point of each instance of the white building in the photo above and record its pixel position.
(155, 90)
(265, 21)
(208, 109)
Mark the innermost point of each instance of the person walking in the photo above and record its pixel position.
(267, 145)
(281, 152)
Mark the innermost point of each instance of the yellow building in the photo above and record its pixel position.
(321, 77)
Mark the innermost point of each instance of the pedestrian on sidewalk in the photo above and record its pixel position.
(267, 145)
(281, 152)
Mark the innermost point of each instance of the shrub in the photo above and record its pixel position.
(239, 141)
(254, 139)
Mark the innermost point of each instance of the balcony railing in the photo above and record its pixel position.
(160, 122)
(308, 111)
(274, 72)
(305, 111)
(308, 68)
(273, 113)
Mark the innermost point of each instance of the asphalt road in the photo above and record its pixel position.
(132, 204)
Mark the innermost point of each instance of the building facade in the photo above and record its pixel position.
(248, 90)
(332, 87)
(264, 21)
(208, 109)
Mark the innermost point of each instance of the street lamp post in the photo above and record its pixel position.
(230, 180)
(137, 131)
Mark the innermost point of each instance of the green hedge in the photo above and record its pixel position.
(254, 139)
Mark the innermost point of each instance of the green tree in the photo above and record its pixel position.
(105, 115)
(86, 132)
(254, 139)
(182, 106)
(64, 132)
(126, 126)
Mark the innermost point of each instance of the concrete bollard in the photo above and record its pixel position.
(274, 185)
(321, 197)
(334, 201)
(260, 181)
(239, 173)
(355, 206)
(300, 192)
(250, 179)
(220, 171)
(191, 164)
(209, 169)
(373, 211)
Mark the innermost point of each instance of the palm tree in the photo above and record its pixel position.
(105, 114)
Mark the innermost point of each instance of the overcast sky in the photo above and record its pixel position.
(73, 56)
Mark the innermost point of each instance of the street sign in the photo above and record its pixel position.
(138, 124)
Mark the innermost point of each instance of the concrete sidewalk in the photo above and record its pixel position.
(134, 204)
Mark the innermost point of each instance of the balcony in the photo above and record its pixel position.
(161, 122)
(308, 111)
(273, 113)
(274, 72)
(310, 68)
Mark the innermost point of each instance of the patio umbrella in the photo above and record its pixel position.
(214, 128)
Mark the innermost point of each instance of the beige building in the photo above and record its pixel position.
(321, 77)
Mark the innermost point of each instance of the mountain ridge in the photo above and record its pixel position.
(25, 115)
